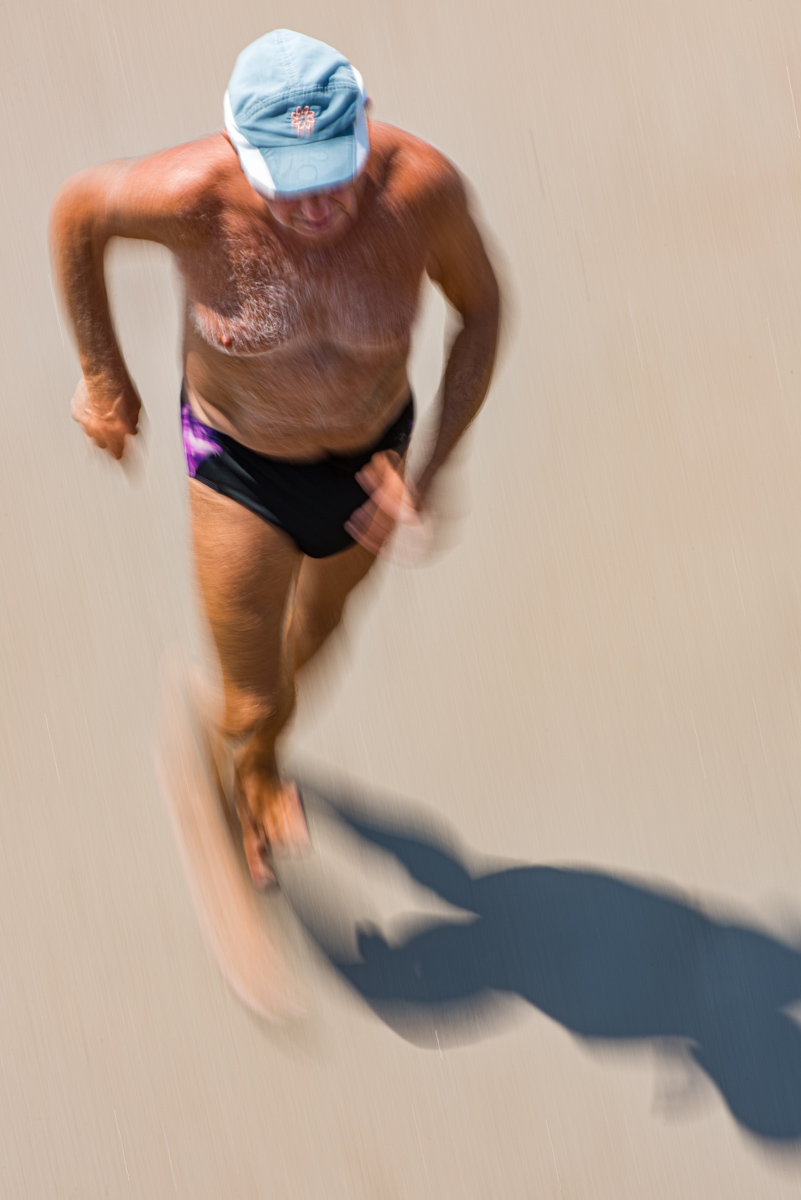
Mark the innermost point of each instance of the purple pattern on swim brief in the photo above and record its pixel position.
(200, 442)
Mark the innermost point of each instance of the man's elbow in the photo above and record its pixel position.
(74, 211)
(483, 316)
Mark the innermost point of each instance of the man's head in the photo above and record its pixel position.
(295, 114)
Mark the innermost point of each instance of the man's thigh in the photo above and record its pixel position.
(246, 569)
(323, 587)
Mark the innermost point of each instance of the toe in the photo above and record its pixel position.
(256, 852)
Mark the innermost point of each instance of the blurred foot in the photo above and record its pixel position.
(279, 828)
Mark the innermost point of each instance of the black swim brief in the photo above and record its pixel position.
(309, 501)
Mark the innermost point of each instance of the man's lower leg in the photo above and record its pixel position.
(268, 807)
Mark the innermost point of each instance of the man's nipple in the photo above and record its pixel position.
(227, 339)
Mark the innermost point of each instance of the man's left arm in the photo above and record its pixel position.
(459, 265)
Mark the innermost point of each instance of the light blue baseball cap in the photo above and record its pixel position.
(294, 111)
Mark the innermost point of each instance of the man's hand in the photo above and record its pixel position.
(107, 416)
(392, 502)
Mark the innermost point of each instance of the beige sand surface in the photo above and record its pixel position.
(604, 673)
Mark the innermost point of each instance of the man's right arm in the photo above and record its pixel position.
(135, 199)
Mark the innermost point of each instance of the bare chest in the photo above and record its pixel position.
(248, 295)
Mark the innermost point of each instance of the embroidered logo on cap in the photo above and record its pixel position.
(303, 121)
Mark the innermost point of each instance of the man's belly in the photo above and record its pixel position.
(297, 404)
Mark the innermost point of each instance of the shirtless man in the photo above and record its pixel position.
(302, 233)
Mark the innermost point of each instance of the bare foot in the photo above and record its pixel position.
(280, 828)
(233, 802)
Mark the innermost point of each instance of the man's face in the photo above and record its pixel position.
(318, 216)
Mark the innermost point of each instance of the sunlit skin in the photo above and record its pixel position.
(297, 329)
(318, 216)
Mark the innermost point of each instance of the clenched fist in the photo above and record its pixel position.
(107, 415)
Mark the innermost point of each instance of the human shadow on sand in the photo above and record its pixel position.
(611, 960)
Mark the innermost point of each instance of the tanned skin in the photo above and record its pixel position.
(297, 328)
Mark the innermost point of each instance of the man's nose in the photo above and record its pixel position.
(316, 208)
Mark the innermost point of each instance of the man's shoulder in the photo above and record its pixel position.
(415, 168)
(193, 176)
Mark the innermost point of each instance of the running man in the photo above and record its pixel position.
(302, 233)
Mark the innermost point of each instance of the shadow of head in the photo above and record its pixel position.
(609, 959)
